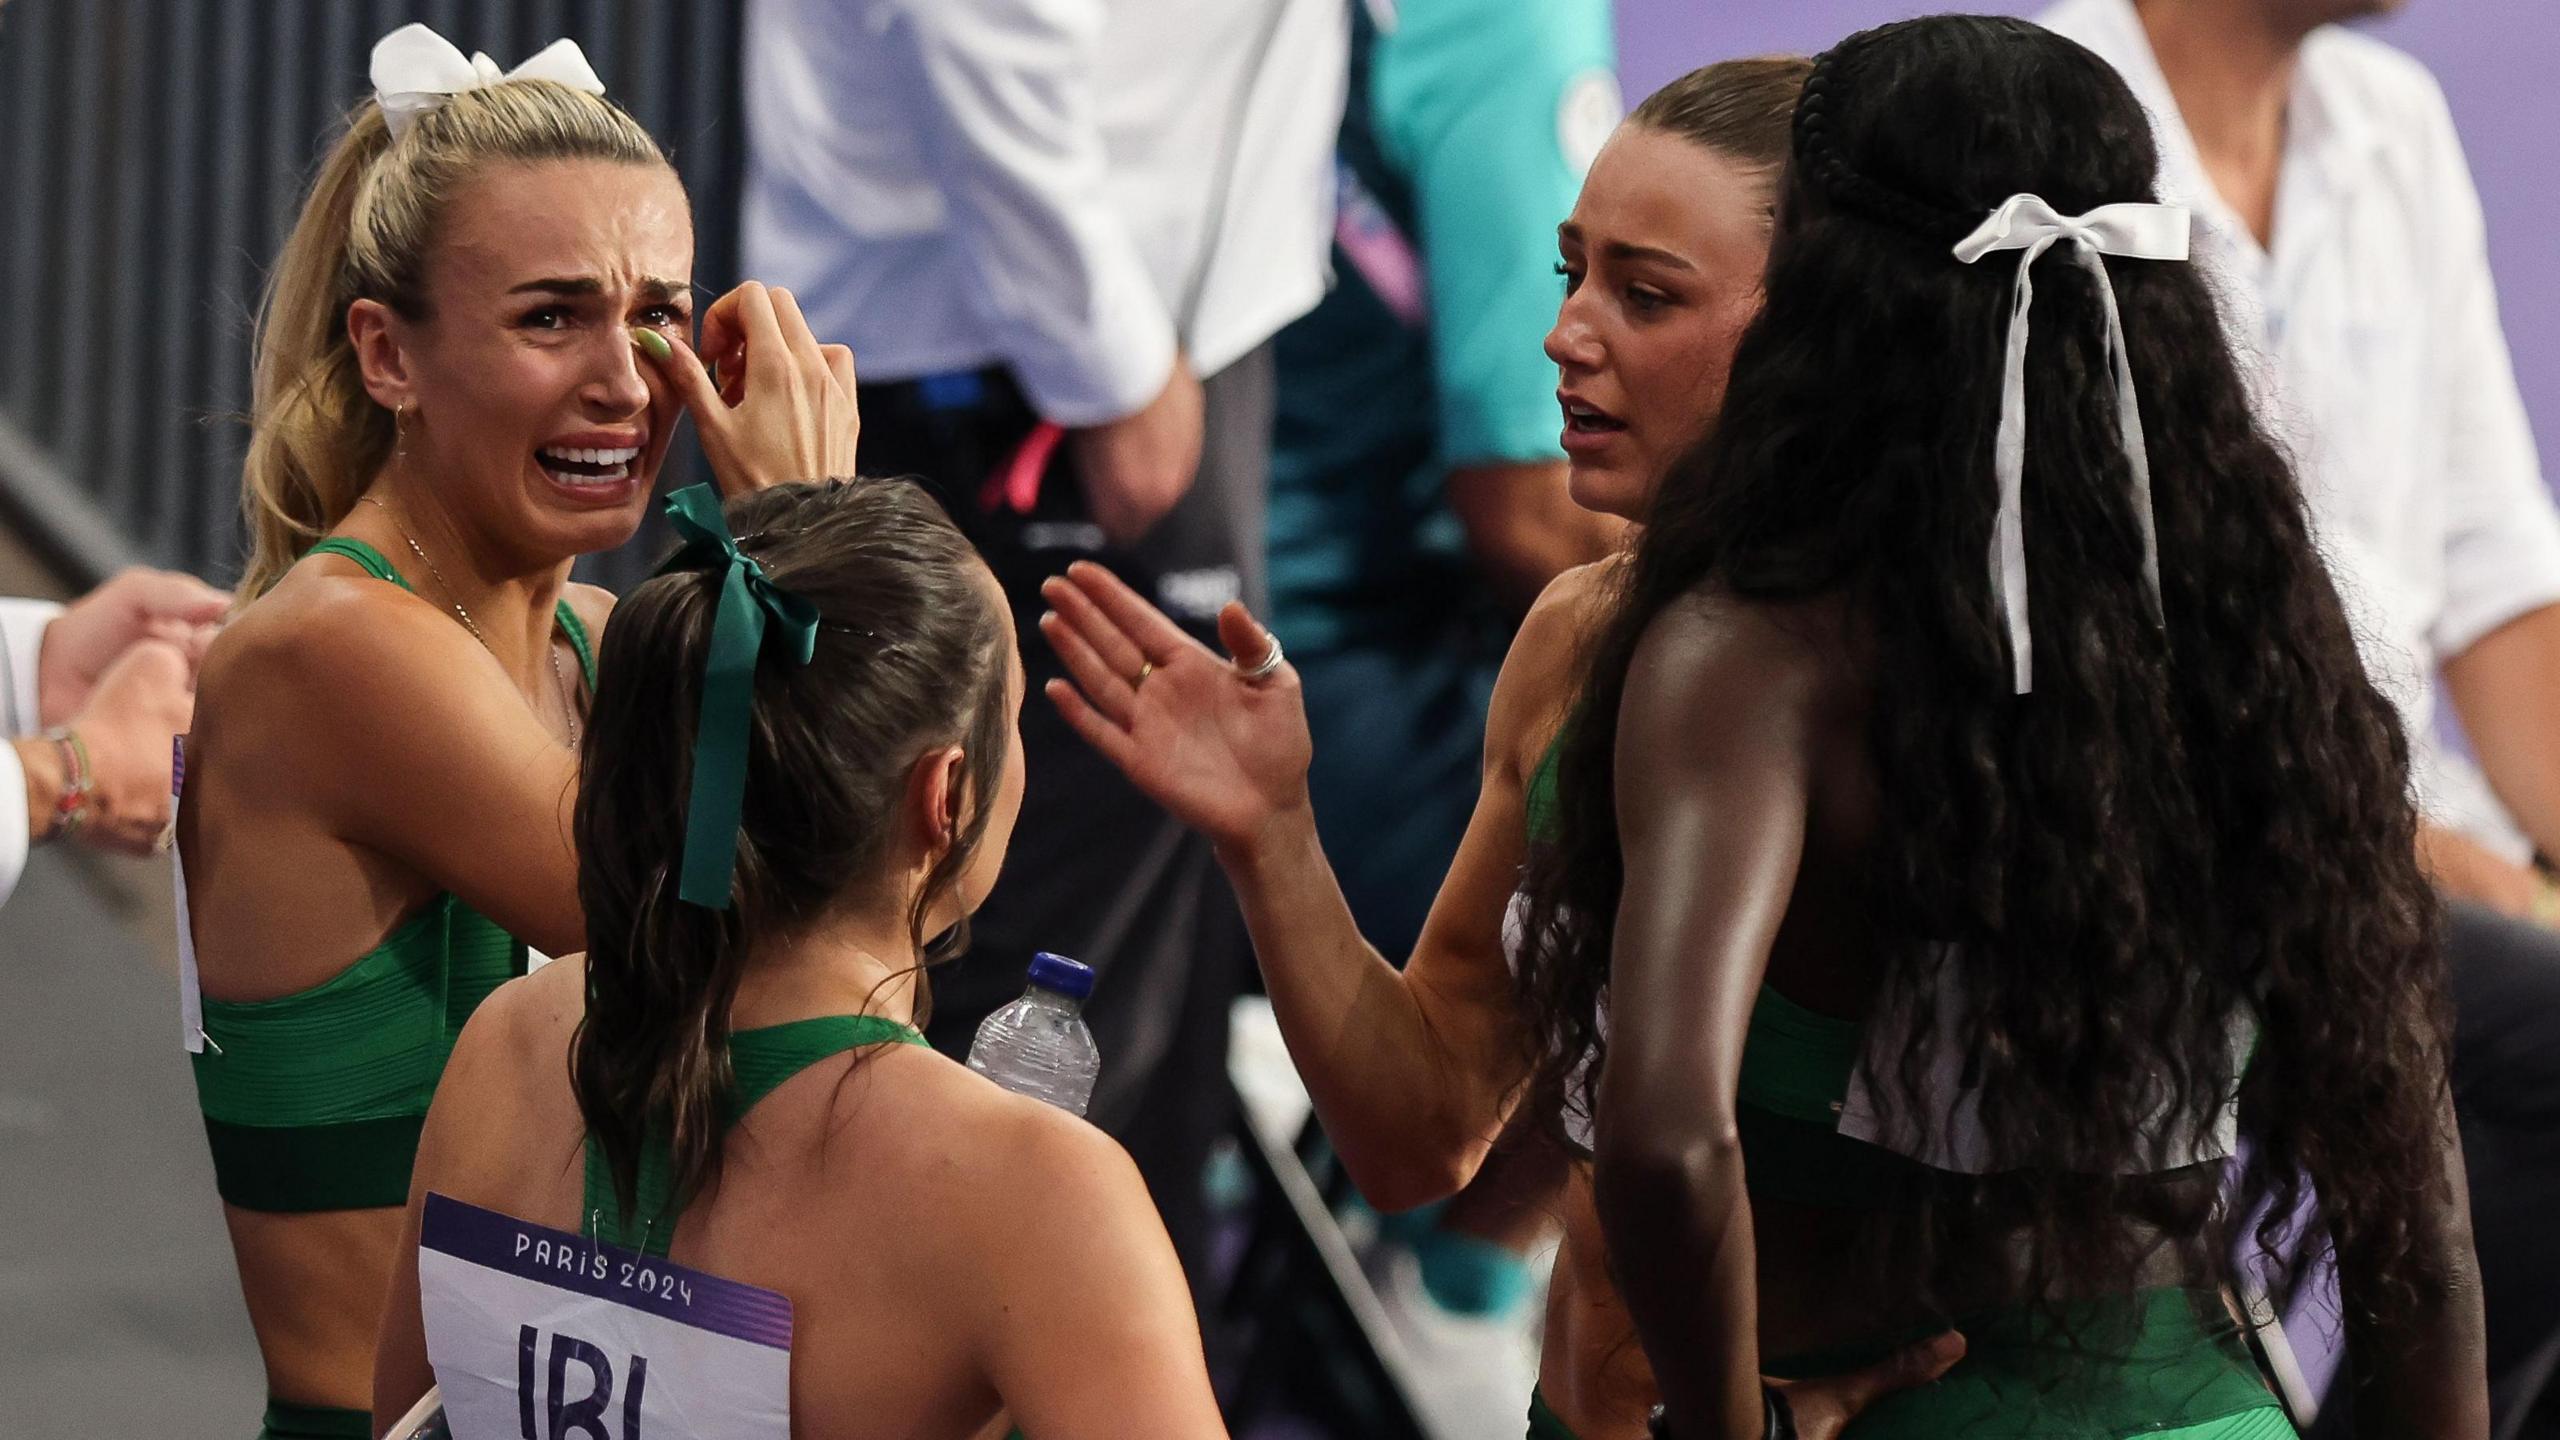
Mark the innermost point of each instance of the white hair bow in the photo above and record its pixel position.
(415, 70)
(2026, 222)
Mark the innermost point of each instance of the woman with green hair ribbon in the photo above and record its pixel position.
(751, 612)
(767, 870)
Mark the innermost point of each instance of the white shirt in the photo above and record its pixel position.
(2374, 327)
(22, 625)
(950, 184)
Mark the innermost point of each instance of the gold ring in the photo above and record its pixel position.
(1145, 669)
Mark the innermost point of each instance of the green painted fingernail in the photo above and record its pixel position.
(654, 343)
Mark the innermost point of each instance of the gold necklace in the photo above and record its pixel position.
(568, 700)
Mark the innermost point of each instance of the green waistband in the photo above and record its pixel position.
(2127, 1366)
(312, 1101)
(1795, 1063)
(314, 1422)
(759, 1062)
(301, 1169)
(2151, 1364)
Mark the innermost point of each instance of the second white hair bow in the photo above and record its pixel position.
(415, 70)
(2026, 222)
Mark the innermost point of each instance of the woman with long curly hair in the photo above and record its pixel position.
(1415, 1072)
(1976, 819)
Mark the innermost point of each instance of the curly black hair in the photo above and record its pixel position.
(2201, 811)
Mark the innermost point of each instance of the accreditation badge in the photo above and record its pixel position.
(541, 1333)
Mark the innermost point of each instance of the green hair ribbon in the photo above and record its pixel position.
(751, 613)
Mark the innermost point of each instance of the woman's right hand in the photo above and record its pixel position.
(783, 408)
(1226, 755)
(1824, 1408)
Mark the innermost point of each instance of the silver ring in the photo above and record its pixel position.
(1270, 662)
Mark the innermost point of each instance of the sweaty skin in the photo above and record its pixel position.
(1415, 1072)
(871, 1189)
(356, 750)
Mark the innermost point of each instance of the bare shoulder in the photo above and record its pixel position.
(1565, 612)
(523, 1026)
(510, 1061)
(1718, 665)
(993, 1164)
(1540, 674)
(592, 604)
(323, 632)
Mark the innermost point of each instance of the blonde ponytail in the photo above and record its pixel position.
(316, 436)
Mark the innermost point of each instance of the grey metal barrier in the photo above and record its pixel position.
(152, 155)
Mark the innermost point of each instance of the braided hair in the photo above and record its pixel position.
(2177, 827)
(1820, 162)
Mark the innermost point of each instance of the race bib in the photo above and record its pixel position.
(190, 988)
(539, 1334)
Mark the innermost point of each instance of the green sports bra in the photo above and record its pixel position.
(1796, 1069)
(1798, 1074)
(2168, 1358)
(759, 1062)
(313, 1101)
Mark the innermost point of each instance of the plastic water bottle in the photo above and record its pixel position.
(1039, 1045)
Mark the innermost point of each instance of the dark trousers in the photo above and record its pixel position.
(2506, 1092)
(2506, 1095)
(1097, 871)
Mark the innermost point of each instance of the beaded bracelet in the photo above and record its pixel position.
(71, 808)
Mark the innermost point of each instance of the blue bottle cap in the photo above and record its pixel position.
(1065, 976)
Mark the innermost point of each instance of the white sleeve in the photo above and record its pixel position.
(1008, 115)
(13, 820)
(2502, 532)
(22, 625)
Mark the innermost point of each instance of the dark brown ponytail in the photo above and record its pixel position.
(909, 656)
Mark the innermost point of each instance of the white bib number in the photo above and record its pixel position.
(539, 1334)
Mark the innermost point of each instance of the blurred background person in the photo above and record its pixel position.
(1418, 506)
(2336, 212)
(1060, 238)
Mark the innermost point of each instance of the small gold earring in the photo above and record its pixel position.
(400, 432)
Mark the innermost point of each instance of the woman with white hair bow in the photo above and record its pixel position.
(472, 356)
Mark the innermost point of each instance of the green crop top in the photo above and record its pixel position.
(759, 1062)
(2168, 1357)
(1796, 1068)
(1796, 1080)
(313, 1101)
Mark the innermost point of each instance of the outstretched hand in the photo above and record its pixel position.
(100, 626)
(1226, 755)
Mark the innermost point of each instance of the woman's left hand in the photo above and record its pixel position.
(1824, 1408)
(1227, 755)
